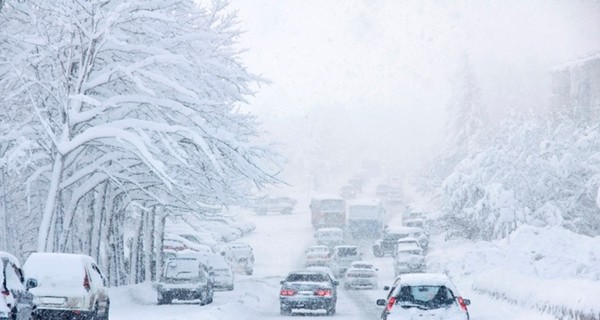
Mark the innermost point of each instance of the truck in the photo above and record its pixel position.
(328, 212)
(365, 219)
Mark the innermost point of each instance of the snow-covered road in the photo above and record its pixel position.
(279, 243)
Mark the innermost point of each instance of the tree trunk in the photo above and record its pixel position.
(51, 200)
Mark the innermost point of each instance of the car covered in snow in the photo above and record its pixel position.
(342, 257)
(406, 243)
(240, 256)
(16, 302)
(317, 256)
(308, 290)
(69, 286)
(185, 278)
(360, 278)
(425, 296)
(409, 260)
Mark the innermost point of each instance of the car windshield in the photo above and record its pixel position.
(425, 296)
(182, 268)
(307, 277)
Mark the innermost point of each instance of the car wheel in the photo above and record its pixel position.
(285, 311)
(377, 252)
(331, 310)
(249, 272)
(230, 288)
(106, 312)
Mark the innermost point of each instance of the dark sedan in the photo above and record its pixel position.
(308, 290)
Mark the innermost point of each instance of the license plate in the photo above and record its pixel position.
(305, 293)
(53, 300)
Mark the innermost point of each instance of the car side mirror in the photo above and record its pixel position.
(467, 302)
(31, 283)
(381, 302)
(336, 283)
(282, 282)
(386, 288)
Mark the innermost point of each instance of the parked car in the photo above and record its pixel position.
(425, 296)
(317, 256)
(359, 278)
(266, 204)
(342, 257)
(69, 286)
(178, 243)
(16, 301)
(185, 278)
(312, 290)
(240, 256)
(409, 260)
(219, 269)
(329, 237)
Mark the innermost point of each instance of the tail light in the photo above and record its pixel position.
(462, 303)
(86, 282)
(323, 293)
(390, 304)
(287, 292)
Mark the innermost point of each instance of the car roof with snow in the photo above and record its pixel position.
(426, 279)
(327, 197)
(407, 240)
(10, 257)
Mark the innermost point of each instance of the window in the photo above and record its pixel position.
(14, 278)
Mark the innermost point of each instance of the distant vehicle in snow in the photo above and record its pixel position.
(359, 278)
(329, 237)
(342, 257)
(365, 218)
(16, 302)
(69, 286)
(185, 278)
(179, 243)
(240, 256)
(283, 205)
(348, 192)
(406, 243)
(409, 260)
(388, 243)
(312, 290)
(216, 265)
(425, 295)
(317, 256)
(328, 212)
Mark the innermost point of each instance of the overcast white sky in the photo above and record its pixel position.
(362, 79)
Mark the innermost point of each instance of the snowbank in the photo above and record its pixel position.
(564, 298)
(550, 269)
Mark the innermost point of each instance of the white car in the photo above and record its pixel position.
(69, 285)
(406, 243)
(240, 256)
(360, 278)
(425, 296)
(409, 260)
(317, 256)
(342, 257)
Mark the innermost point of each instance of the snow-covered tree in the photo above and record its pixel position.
(126, 103)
